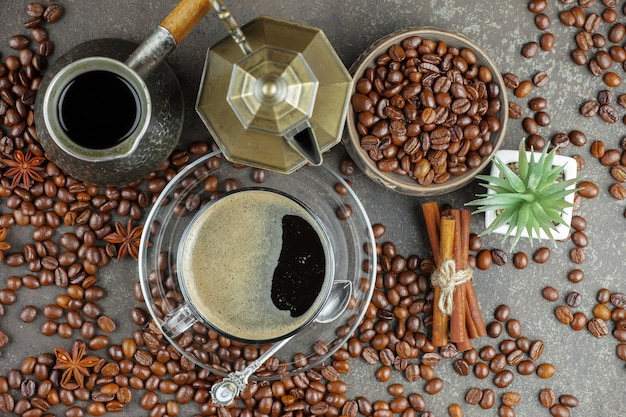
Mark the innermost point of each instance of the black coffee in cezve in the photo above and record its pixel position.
(99, 109)
(256, 265)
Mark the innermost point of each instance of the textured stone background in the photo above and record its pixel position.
(586, 367)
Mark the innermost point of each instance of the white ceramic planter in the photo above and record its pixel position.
(570, 171)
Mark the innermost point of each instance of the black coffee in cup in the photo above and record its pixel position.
(99, 109)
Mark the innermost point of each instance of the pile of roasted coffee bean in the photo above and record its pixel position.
(427, 110)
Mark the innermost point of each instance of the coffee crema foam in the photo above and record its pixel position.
(228, 260)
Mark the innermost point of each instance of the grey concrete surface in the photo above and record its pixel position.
(586, 367)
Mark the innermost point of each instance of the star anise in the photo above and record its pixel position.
(3, 245)
(129, 238)
(24, 168)
(74, 366)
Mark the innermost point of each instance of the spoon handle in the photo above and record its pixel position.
(223, 393)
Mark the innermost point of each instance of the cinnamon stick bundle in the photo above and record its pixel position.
(448, 233)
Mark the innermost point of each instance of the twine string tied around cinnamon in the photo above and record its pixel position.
(448, 278)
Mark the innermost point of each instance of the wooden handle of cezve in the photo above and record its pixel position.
(184, 17)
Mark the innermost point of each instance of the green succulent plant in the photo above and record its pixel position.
(530, 199)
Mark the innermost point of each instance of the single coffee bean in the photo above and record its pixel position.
(542, 118)
(559, 410)
(577, 255)
(579, 223)
(547, 397)
(542, 21)
(579, 57)
(542, 255)
(515, 111)
(511, 399)
(577, 138)
(560, 140)
(455, 410)
(434, 386)
(588, 189)
(612, 79)
(484, 259)
(607, 112)
(520, 260)
(53, 12)
(605, 97)
(481, 370)
(412, 372)
(523, 89)
(537, 6)
(530, 49)
(28, 314)
(568, 400)
(618, 172)
(545, 370)
(589, 108)
(618, 300)
(487, 353)
(344, 212)
(602, 312)
(499, 257)
(523, 343)
(597, 327)
(536, 350)
(617, 191)
(573, 299)
(19, 42)
(541, 79)
(515, 358)
(494, 329)
(471, 356)
(473, 396)
(580, 239)
(537, 104)
(514, 328)
(597, 149)
(579, 322)
(488, 399)
(564, 314)
(502, 313)
(511, 80)
(461, 367)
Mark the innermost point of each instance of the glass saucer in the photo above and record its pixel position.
(351, 238)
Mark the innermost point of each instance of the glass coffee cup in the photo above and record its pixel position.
(255, 264)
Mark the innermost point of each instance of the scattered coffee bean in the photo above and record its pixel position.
(589, 108)
(564, 314)
(488, 399)
(573, 299)
(545, 370)
(541, 79)
(520, 260)
(530, 49)
(597, 327)
(588, 189)
(577, 255)
(547, 397)
(617, 191)
(473, 396)
(542, 255)
(559, 410)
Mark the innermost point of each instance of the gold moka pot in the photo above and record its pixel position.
(274, 95)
